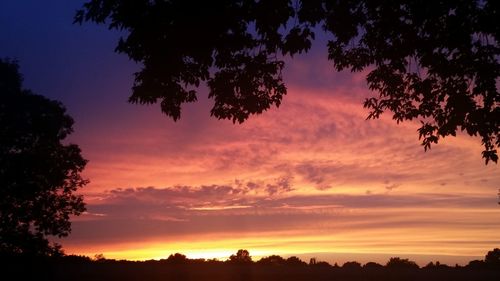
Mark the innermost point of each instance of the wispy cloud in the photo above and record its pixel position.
(313, 170)
(375, 223)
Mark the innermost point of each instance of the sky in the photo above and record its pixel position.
(312, 178)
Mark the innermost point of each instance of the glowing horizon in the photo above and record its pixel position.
(385, 198)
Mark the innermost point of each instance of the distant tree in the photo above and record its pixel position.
(272, 260)
(323, 264)
(399, 263)
(295, 261)
(38, 173)
(76, 259)
(434, 61)
(430, 265)
(436, 265)
(177, 258)
(242, 256)
(492, 258)
(372, 265)
(476, 264)
(99, 257)
(314, 262)
(213, 261)
(351, 265)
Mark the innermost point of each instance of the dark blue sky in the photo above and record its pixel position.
(72, 63)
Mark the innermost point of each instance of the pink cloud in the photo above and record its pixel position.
(313, 166)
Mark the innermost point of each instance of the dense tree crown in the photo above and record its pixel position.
(38, 174)
(434, 61)
(242, 256)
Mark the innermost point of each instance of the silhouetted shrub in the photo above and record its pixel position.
(351, 265)
(177, 259)
(295, 261)
(372, 265)
(399, 263)
(242, 256)
(272, 260)
(492, 258)
(476, 264)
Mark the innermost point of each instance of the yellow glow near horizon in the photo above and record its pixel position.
(409, 241)
(331, 150)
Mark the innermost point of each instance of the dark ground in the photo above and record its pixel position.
(82, 268)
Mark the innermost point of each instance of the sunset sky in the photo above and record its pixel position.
(310, 178)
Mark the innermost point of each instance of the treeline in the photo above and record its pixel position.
(240, 267)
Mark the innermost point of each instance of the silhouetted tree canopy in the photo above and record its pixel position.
(177, 258)
(351, 265)
(242, 256)
(272, 260)
(401, 263)
(476, 264)
(372, 265)
(295, 261)
(492, 258)
(84, 268)
(434, 61)
(38, 173)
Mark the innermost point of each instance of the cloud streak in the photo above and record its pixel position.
(185, 218)
(313, 175)
(146, 213)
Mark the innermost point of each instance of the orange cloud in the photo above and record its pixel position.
(311, 176)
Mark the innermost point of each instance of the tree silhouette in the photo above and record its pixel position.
(274, 260)
(295, 261)
(400, 263)
(352, 265)
(38, 174)
(177, 258)
(372, 265)
(242, 256)
(85, 268)
(492, 258)
(434, 61)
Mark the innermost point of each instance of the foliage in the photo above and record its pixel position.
(372, 265)
(295, 261)
(434, 61)
(493, 257)
(436, 265)
(38, 173)
(84, 268)
(242, 256)
(177, 258)
(476, 264)
(351, 265)
(401, 263)
(99, 257)
(274, 260)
